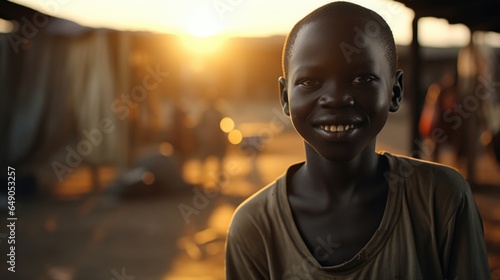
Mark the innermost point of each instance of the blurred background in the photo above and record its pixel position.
(137, 127)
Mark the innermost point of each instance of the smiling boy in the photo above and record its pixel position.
(348, 212)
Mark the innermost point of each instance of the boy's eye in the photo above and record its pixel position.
(363, 80)
(310, 83)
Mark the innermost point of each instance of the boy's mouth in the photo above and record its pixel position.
(336, 128)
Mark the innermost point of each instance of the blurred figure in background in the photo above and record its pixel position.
(211, 139)
(182, 133)
(461, 109)
(440, 98)
(474, 90)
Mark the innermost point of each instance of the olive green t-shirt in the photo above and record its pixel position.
(431, 229)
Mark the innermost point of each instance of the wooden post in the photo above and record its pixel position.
(417, 99)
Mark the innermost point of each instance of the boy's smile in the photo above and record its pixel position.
(339, 100)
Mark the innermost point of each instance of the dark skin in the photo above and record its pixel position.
(338, 103)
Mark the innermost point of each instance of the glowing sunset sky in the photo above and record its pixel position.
(245, 18)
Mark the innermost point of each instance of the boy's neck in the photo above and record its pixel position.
(340, 179)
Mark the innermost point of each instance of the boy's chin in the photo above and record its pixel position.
(339, 158)
(339, 155)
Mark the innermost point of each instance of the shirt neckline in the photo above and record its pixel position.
(376, 242)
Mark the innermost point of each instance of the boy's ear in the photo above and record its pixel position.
(284, 96)
(397, 91)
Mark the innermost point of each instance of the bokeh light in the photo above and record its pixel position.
(235, 137)
(148, 178)
(166, 149)
(227, 124)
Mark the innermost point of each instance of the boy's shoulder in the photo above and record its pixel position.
(408, 167)
(263, 208)
(428, 179)
(257, 205)
(259, 200)
(251, 221)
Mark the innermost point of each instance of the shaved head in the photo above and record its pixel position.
(344, 11)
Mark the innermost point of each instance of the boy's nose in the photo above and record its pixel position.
(335, 99)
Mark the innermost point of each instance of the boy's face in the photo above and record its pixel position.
(339, 88)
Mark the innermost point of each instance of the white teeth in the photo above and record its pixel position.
(337, 128)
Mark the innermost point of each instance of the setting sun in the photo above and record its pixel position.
(202, 31)
(202, 23)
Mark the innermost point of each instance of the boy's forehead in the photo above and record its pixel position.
(340, 28)
(336, 34)
(339, 42)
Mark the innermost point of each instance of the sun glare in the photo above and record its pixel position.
(203, 45)
(203, 28)
(203, 23)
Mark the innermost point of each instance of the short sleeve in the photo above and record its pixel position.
(245, 250)
(465, 255)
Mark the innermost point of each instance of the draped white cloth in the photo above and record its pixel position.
(56, 86)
